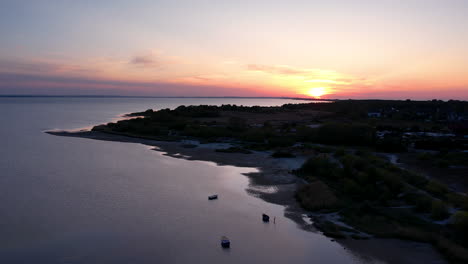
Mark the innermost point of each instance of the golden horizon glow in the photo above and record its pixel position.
(317, 92)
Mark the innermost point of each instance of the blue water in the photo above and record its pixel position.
(74, 200)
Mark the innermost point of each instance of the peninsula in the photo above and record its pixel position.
(369, 168)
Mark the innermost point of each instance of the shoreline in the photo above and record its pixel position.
(271, 173)
(274, 183)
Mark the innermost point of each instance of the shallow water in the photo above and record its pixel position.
(75, 200)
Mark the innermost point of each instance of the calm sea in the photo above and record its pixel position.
(73, 200)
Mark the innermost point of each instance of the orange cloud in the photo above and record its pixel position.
(310, 82)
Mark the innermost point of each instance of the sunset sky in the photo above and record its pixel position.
(330, 49)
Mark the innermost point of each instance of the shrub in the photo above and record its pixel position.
(237, 123)
(362, 177)
(307, 134)
(439, 210)
(424, 156)
(436, 188)
(316, 195)
(321, 149)
(281, 141)
(458, 200)
(177, 125)
(452, 250)
(320, 166)
(393, 182)
(234, 150)
(340, 152)
(421, 202)
(459, 221)
(346, 134)
(163, 117)
(189, 145)
(206, 132)
(415, 179)
(256, 135)
(362, 153)
(443, 164)
(351, 187)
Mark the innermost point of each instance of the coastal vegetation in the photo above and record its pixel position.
(390, 126)
(379, 198)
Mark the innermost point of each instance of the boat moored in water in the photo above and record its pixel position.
(213, 197)
(265, 218)
(225, 242)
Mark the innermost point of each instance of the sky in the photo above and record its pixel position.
(384, 49)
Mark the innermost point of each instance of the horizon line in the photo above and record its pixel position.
(152, 96)
(212, 97)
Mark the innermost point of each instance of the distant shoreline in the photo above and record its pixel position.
(226, 97)
(167, 97)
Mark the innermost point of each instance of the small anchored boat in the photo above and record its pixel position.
(225, 243)
(213, 197)
(265, 218)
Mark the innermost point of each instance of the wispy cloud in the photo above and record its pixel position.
(137, 67)
(44, 67)
(276, 69)
(41, 84)
(154, 59)
(148, 60)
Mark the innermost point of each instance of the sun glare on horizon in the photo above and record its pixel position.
(317, 92)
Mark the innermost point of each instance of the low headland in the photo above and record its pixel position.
(360, 169)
